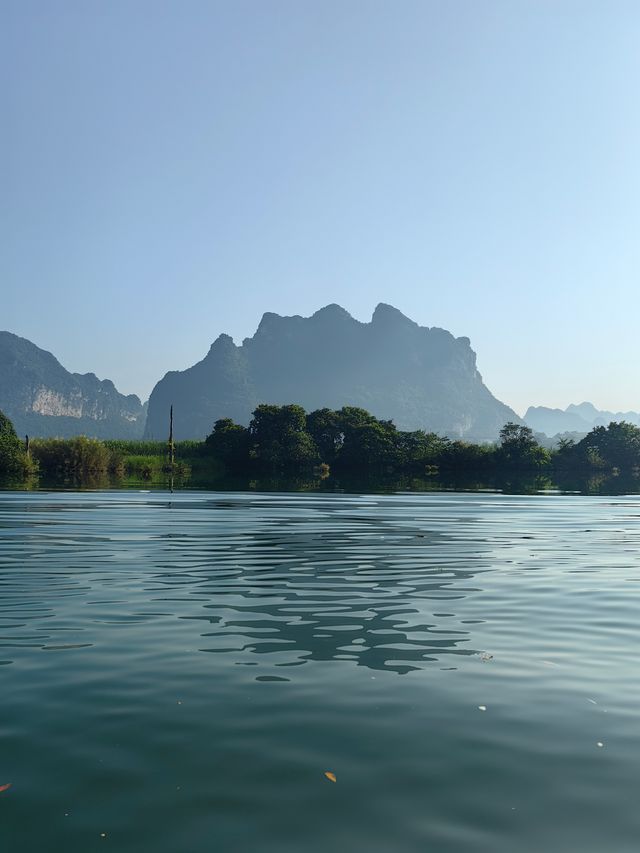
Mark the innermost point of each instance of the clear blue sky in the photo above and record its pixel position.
(171, 170)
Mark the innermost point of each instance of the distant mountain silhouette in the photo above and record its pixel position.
(44, 399)
(421, 378)
(579, 419)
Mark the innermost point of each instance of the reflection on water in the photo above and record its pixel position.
(286, 580)
(594, 483)
(184, 668)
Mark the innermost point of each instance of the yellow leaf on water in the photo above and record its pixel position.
(330, 776)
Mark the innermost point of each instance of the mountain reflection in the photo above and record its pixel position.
(273, 581)
(326, 580)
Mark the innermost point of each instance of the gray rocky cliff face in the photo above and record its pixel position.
(220, 383)
(421, 378)
(44, 399)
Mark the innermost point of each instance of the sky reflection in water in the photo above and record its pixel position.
(180, 671)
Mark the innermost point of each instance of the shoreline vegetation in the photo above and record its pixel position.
(285, 448)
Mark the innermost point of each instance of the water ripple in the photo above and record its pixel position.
(219, 652)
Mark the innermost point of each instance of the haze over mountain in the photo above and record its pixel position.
(44, 399)
(421, 378)
(575, 418)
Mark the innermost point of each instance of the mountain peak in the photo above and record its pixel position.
(333, 311)
(270, 321)
(580, 418)
(418, 377)
(387, 315)
(585, 409)
(223, 341)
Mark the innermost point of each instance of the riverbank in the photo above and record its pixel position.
(286, 449)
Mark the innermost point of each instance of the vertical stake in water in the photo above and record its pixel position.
(172, 447)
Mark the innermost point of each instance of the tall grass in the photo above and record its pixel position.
(142, 447)
(84, 458)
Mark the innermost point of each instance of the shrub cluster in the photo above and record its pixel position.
(78, 457)
(15, 461)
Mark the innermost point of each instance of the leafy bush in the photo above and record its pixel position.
(14, 460)
(77, 457)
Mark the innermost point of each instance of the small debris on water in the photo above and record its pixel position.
(485, 656)
(5, 787)
(103, 835)
(330, 776)
(599, 743)
(593, 701)
(482, 707)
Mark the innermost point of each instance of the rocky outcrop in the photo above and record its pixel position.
(421, 378)
(44, 399)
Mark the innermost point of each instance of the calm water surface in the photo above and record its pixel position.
(178, 673)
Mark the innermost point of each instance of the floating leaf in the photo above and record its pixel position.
(5, 787)
(330, 776)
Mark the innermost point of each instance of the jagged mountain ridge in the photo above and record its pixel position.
(575, 418)
(421, 378)
(44, 399)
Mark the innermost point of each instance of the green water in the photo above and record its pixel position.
(179, 671)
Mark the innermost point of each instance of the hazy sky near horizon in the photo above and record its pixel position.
(172, 170)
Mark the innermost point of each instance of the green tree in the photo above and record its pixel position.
(373, 444)
(613, 446)
(352, 417)
(519, 449)
(460, 457)
(229, 442)
(326, 429)
(14, 461)
(279, 438)
(418, 449)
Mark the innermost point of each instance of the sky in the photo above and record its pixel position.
(172, 170)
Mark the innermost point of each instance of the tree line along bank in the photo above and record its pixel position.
(286, 440)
